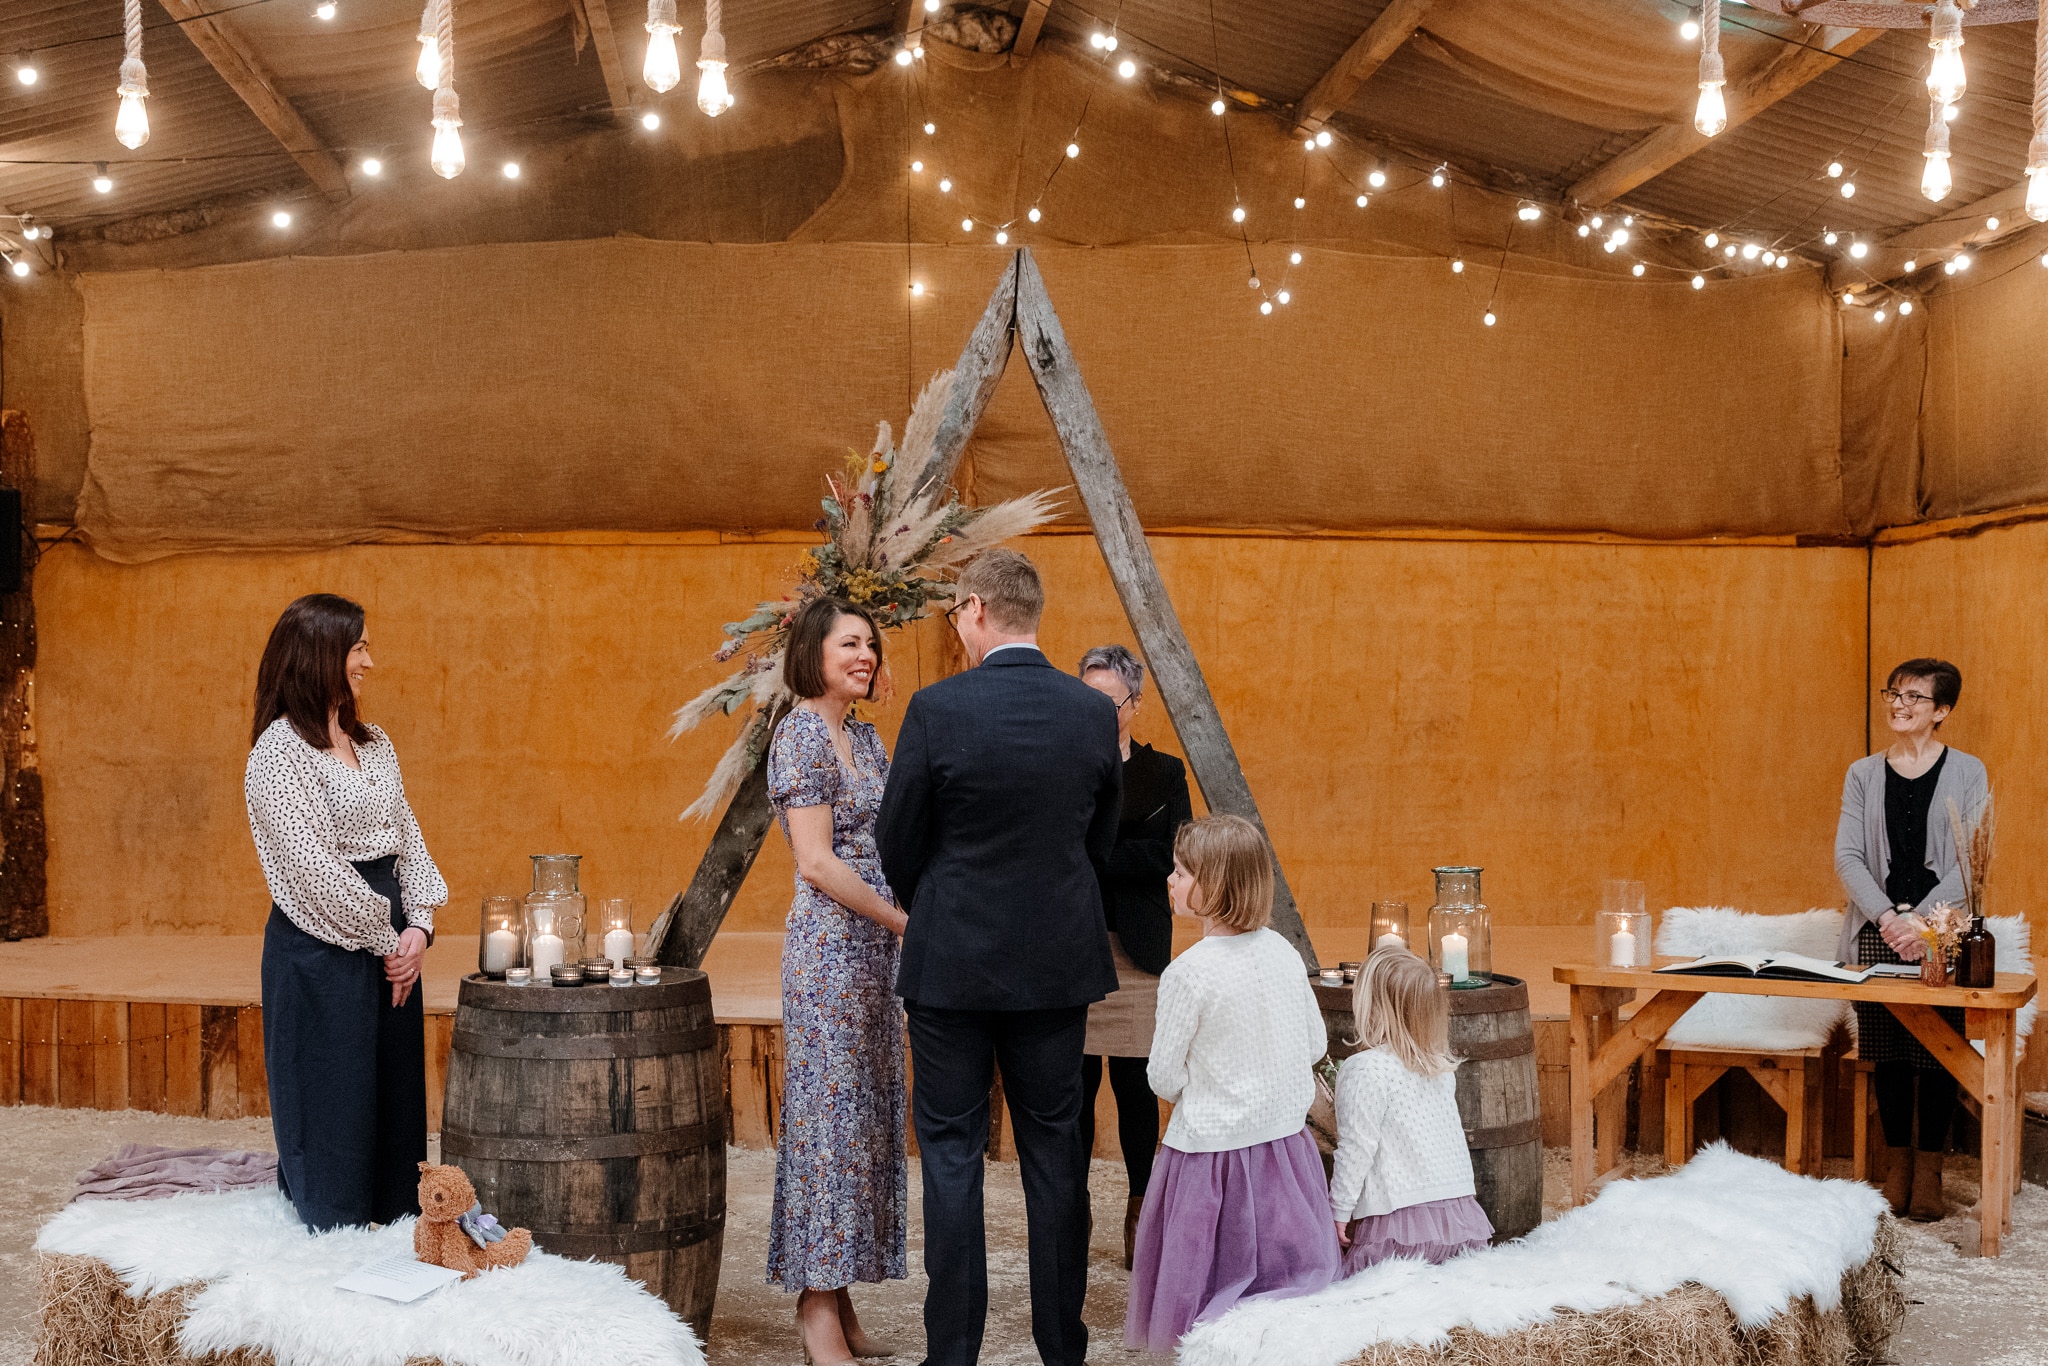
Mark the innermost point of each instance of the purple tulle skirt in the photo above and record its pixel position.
(1434, 1232)
(1219, 1228)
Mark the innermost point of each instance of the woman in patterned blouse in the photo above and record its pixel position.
(840, 1165)
(353, 895)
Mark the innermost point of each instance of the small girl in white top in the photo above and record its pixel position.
(1235, 1207)
(1402, 1183)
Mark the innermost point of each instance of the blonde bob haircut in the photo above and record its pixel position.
(1398, 1006)
(1232, 864)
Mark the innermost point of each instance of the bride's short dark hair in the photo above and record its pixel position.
(803, 657)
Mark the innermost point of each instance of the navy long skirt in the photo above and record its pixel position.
(348, 1073)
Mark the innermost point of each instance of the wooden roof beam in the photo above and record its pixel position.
(611, 61)
(1334, 89)
(1028, 29)
(232, 57)
(1673, 143)
(1959, 227)
(910, 16)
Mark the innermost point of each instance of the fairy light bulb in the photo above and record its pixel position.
(1002, 238)
(1636, 270)
(1946, 79)
(1859, 250)
(1689, 30)
(1750, 251)
(945, 185)
(280, 219)
(1585, 230)
(1323, 138)
(1909, 267)
(1847, 298)
(1127, 68)
(967, 225)
(1073, 150)
(372, 167)
(1906, 305)
(1437, 178)
(1376, 178)
(650, 120)
(1597, 221)
(1878, 316)
(663, 69)
(325, 10)
(1265, 306)
(1362, 201)
(427, 71)
(1237, 214)
(1699, 282)
(1300, 203)
(1848, 189)
(1770, 258)
(1830, 237)
(20, 267)
(1935, 181)
(916, 287)
(1712, 239)
(1283, 296)
(903, 57)
(1528, 212)
(1834, 170)
(1457, 267)
(1216, 107)
(1729, 251)
(1033, 215)
(101, 181)
(917, 167)
(1489, 319)
(1784, 261)
(1294, 258)
(1991, 223)
(25, 69)
(930, 128)
(1109, 42)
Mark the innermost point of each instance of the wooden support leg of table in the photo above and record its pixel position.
(1860, 1126)
(1677, 1116)
(2000, 1096)
(1602, 1051)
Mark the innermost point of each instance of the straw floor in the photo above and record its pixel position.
(1959, 1308)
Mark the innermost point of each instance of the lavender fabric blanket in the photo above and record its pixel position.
(143, 1172)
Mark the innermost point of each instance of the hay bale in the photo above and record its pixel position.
(1693, 1326)
(88, 1318)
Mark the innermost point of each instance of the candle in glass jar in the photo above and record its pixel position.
(501, 950)
(1457, 960)
(547, 951)
(618, 946)
(1621, 949)
(1390, 940)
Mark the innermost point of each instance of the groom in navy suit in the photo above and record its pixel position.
(1002, 805)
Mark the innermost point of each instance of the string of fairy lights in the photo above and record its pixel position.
(1354, 169)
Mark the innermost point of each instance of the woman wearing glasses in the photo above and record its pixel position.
(1140, 918)
(1895, 854)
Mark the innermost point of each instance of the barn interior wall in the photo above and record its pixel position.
(1556, 712)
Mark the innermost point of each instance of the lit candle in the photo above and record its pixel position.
(1456, 961)
(618, 946)
(501, 950)
(1621, 950)
(1390, 940)
(547, 951)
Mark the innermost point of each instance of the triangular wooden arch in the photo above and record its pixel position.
(1021, 312)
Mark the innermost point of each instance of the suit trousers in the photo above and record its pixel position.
(954, 1057)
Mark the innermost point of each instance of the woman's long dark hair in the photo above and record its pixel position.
(304, 673)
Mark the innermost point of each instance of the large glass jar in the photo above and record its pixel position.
(1460, 930)
(501, 943)
(554, 913)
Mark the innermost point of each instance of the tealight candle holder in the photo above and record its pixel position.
(1390, 925)
(615, 916)
(500, 944)
(1622, 930)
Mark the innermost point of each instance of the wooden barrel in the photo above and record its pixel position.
(596, 1117)
(1497, 1098)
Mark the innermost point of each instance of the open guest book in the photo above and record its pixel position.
(1796, 966)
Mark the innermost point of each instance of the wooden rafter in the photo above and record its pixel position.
(1669, 145)
(1334, 89)
(910, 19)
(1965, 225)
(1028, 29)
(611, 61)
(221, 44)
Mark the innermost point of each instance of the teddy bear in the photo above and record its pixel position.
(453, 1230)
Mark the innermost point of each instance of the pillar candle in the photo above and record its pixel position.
(1621, 950)
(618, 946)
(1390, 940)
(501, 950)
(1456, 961)
(547, 951)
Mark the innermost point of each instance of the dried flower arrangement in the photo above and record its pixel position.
(888, 547)
(1973, 849)
(1942, 927)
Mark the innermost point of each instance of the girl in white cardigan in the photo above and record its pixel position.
(1235, 1207)
(1402, 1182)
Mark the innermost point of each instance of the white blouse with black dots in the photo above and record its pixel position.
(312, 816)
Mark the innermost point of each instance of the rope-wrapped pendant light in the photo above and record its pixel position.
(131, 124)
(428, 71)
(447, 155)
(1711, 115)
(662, 69)
(1936, 181)
(1946, 79)
(2037, 150)
(712, 96)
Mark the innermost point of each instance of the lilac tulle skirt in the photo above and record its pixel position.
(1219, 1228)
(1434, 1232)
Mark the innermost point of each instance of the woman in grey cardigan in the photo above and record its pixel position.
(1895, 855)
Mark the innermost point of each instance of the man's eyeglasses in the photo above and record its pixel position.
(958, 603)
(1910, 699)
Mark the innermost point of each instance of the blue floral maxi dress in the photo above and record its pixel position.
(840, 1166)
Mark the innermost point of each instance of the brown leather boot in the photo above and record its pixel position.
(1132, 1208)
(1898, 1178)
(1927, 1206)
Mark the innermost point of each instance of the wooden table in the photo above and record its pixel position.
(1603, 1048)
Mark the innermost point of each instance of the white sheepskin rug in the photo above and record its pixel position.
(269, 1286)
(1771, 1023)
(2014, 953)
(1744, 1228)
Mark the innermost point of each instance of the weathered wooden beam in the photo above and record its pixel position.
(24, 907)
(910, 15)
(1335, 87)
(1965, 225)
(1673, 143)
(1136, 576)
(611, 61)
(221, 44)
(1028, 29)
(975, 377)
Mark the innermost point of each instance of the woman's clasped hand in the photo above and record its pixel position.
(402, 969)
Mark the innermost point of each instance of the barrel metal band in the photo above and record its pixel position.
(596, 1148)
(627, 1239)
(624, 1044)
(1499, 1136)
(1492, 1050)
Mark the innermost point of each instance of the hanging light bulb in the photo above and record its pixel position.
(1437, 178)
(428, 70)
(1750, 251)
(1935, 181)
(1294, 258)
(2037, 150)
(1457, 267)
(1636, 270)
(650, 120)
(1712, 239)
(1834, 170)
(1690, 29)
(325, 10)
(1848, 189)
(1265, 306)
(19, 265)
(1376, 178)
(446, 157)
(1585, 230)
(1002, 238)
(372, 167)
(903, 57)
(1945, 78)
(1489, 319)
(1910, 267)
(1034, 215)
(1830, 237)
(25, 68)
(1711, 114)
(1073, 150)
(1528, 212)
(1859, 250)
(1283, 296)
(101, 181)
(1906, 305)
(131, 124)
(712, 96)
(1363, 200)
(1216, 106)
(1237, 214)
(1127, 68)
(1323, 138)
(1699, 282)
(663, 69)
(1252, 283)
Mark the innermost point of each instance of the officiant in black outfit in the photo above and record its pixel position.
(1000, 813)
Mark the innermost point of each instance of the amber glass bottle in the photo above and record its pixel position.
(1976, 956)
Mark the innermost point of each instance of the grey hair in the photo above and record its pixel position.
(1118, 661)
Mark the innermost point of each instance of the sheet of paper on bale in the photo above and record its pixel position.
(237, 1272)
(1728, 1246)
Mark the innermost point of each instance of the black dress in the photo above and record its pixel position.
(1908, 806)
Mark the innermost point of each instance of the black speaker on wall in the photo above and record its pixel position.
(12, 536)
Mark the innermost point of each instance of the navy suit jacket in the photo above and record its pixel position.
(1001, 810)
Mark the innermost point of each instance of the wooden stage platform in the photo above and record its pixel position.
(174, 1023)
